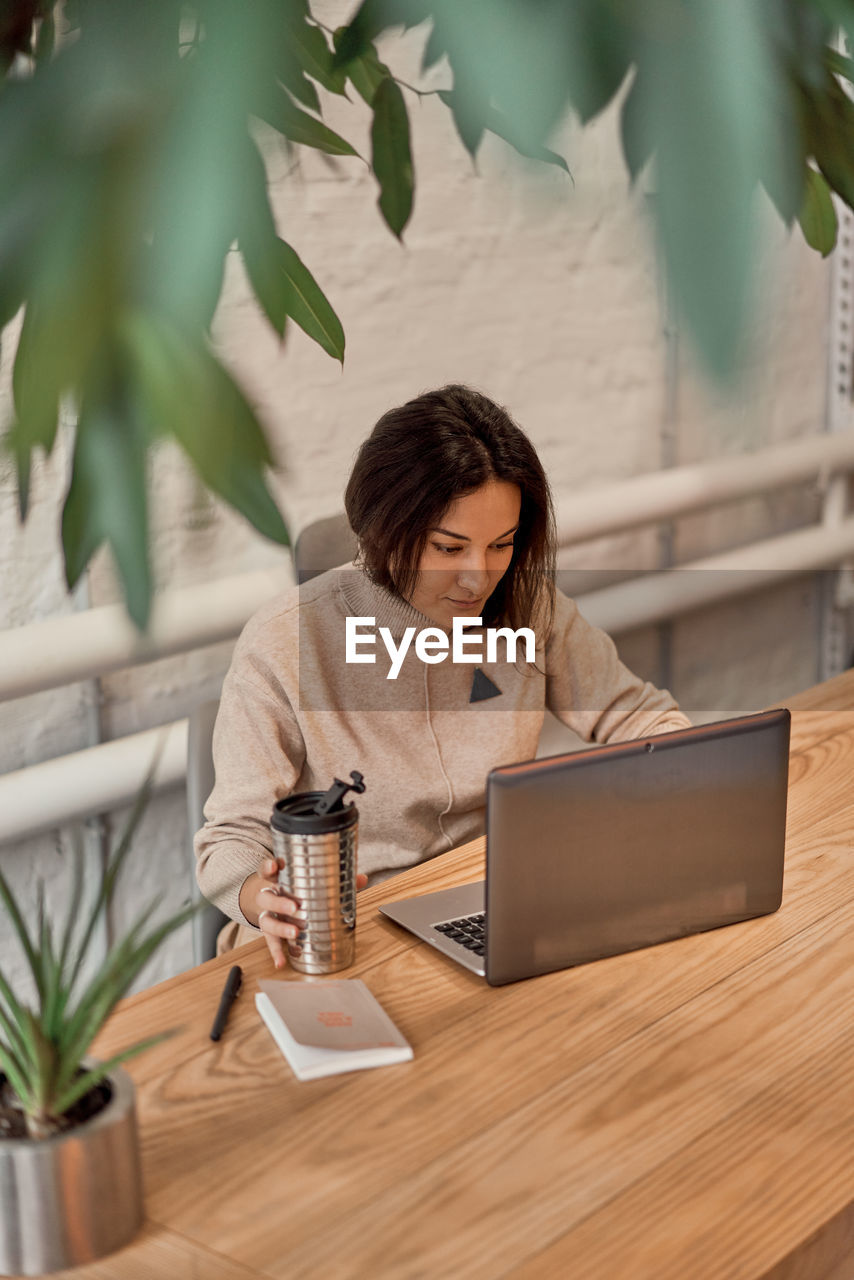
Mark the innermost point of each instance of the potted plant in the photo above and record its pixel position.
(70, 1180)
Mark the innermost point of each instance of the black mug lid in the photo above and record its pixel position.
(296, 815)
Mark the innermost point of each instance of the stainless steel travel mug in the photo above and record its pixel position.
(319, 852)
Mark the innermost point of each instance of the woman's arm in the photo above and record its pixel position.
(258, 755)
(592, 691)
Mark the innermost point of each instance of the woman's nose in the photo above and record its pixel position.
(473, 578)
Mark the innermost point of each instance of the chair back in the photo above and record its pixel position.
(322, 545)
(200, 780)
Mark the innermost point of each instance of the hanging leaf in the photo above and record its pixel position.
(801, 32)
(286, 287)
(391, 155)
(13, 292)
(46, 38)
(360, 32)
(829, 123)
(297, 83)
(598, 54)
(106, 500)
(783, 167)
(286, 117)
(37, 381)
(634, 132)
(705, 85)
(308, 45)
(436, 47)
(468, 116)
(186, 393)
(520, 63)
(498, 124)
(282, 283)
(840, 64)
(818, 216)
(366, 73)
(187, 197)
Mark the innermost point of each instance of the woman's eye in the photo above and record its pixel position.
(449, 551)
(503, 546)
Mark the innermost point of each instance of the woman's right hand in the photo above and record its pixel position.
(272, 909)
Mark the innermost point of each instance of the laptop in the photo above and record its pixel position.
(617, 847)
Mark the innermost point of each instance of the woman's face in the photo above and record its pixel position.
(467, 553)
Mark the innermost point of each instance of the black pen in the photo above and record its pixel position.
(229, 994)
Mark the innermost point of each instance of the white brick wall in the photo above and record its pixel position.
(542, 293)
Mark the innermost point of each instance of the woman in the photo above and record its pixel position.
(453, 517)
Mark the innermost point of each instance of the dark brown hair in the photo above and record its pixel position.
(420, 458)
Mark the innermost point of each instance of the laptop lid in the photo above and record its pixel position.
(621, 846)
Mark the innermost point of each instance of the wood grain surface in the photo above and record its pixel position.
(684, 1111)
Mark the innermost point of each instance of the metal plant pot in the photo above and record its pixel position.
(71, 1198)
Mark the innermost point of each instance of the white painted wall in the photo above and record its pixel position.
(542, 293)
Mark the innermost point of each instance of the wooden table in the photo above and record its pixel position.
(686, 1111)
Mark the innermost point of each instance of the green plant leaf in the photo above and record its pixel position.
(42, 1049)
(298, 85)
(496, 123)
(98, 998)
(13, 1022)
(391, 155)
(16, 1073)
(435, 48)
(187, 393)
(365, 72)
(42, 1077)
(70, 304)
(13, 293)
(77, 877)
(818, 216)
(839, 63)
(287, 118)
(113, 868)
(705, 81)
(36, 383)
(598, 54)
(51, 968)
(22, 934)
(107, 501)
(783, 168)
(89, 1079)
(186, 195)
(308, 44)
(829, 123)
(286, 287)
(121, 967)
(635, 137)
(46, 38)
(468, 116)
(360, 32)
(501, 54)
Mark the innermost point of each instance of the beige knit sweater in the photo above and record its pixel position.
(294, 715)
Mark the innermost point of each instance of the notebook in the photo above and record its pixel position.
(617, 847)
(329, 1025)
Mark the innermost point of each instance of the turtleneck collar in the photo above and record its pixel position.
(363, 598)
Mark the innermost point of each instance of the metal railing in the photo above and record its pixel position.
(55, 652)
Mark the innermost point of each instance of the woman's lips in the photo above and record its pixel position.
(464, 604)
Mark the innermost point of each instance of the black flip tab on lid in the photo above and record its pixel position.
(331, 800)
(318, 812)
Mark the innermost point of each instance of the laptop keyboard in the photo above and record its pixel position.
(468, 931)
